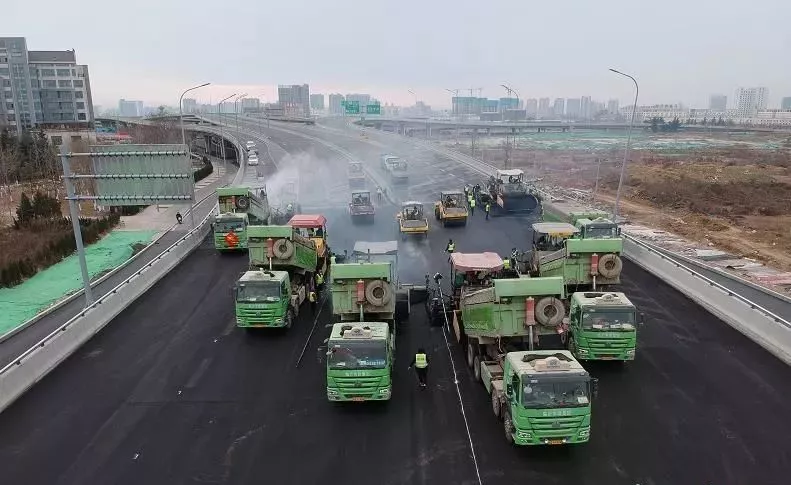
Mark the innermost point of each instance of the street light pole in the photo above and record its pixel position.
(222, 132)
(236, 109)
(184, 142)
(628, 142)
(455, 93)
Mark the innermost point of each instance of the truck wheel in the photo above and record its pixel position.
(470, 355)
(476, 367)
(508, 426)
(289, 319)
(495, 404)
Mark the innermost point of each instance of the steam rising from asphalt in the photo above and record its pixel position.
(309, 180)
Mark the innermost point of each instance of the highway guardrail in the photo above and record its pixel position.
(38, 361)
(764, 327)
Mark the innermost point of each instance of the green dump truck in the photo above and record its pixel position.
(586, 255)
(603, 326)
(543, 397)
(360, 360)
(493, 313)
(239, 208)
(285, 263)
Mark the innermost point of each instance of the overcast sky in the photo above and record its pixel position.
(679, 50)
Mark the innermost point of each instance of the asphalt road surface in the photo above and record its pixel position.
(15, 345)
(172, 392)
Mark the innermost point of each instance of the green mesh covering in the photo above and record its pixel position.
(22, 302)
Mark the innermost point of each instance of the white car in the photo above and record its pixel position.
(252, 160)
(252, 152)
(250, 144)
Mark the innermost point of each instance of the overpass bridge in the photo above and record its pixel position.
(171, 392)
(429, 126)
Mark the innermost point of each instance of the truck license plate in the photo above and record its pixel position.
(555, 442)
(358, 399)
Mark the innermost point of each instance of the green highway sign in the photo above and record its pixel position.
(352, 107)
(373, 109)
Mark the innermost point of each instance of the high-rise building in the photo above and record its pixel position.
(336, 104)
(543, 107)
(531, 107)
(751, 100)
(250, 105)
(612, 107)
(573, 108)
(41, 88)
(317, 102)
(718, 102)
(467, 105)
(508, 103)
(190, 105)
(559, 107)
(585, 108)
(786, 103)
(362, 99)
(294, 99)
(130, 109)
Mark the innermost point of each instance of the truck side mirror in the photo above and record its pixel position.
(595, 385)
(509, 390)
(326, 340)
(641, 318)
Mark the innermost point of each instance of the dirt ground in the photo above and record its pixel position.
(10, 197)
(734, 200)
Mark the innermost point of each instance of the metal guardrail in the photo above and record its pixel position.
(15, 380)
(36, 362)
(710, 282)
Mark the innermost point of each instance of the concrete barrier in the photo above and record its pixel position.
(34, 364)
(767, 329)
(38, 361)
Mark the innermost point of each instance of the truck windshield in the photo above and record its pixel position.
(258, 291)
(228, 226)
(608, 320)
(601, 232)
(555, 393)
(346, 354)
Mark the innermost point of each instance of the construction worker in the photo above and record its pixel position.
(312, 299)
(178, 217)
(472, 206)
(319, 280)
(467, 191)
(451, 247)
(420, 362)
(379, 194)
(506, 263)
(486, 208)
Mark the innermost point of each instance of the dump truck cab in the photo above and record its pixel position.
(412, 220)
(238, 208)
(360, 359)
(603, 326)
(451, 208)
(542, 397)
(361, 207)
(265, 298)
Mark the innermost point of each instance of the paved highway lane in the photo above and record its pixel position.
(172, 392)
(15, 345)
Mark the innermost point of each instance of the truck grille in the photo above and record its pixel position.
(556, 426)
(256, 316)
